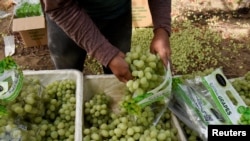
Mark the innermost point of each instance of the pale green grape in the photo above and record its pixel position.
(123, 126)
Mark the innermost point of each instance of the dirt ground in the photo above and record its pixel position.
(38, 58)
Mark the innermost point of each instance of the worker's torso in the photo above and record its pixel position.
(105, 9)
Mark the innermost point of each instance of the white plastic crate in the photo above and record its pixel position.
(111, 86)
(49, 76)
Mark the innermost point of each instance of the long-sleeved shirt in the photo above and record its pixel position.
(77, 24)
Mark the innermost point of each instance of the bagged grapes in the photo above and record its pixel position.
(39, 105)
(11, 79)
(204, 100)
(62, 100)
(22, 115)
(152, 80)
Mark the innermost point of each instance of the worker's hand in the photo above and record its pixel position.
(160, 45)
(120, 67)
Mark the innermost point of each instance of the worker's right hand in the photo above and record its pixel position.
(120, 68)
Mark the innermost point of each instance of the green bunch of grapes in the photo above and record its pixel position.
(60, 104)
(130, 105)
(24, 111)
(28, 10)
(242, 86)
(97, 108)
(29, 103)
(9, 129)
(122, 126)
(40, 113)
(147, 70)
(7, 63)
(245, 115)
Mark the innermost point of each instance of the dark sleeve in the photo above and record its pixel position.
(161, 14)
(79, 27)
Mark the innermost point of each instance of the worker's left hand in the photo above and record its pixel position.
(161, 45)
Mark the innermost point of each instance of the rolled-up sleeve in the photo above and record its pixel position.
(161, 14)
(75, 22)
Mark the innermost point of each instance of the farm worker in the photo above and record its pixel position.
(101, 29)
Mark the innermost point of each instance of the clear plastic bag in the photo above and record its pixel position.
(204, 101)
(21, 102)
(157, 98)
(188, 112)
